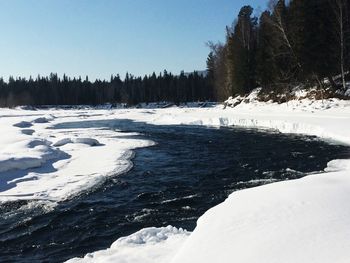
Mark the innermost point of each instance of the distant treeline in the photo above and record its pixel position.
(53, 90)
(294, 42)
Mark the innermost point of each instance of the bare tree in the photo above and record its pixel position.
(277, 22)
(339, 7)
(283, 48)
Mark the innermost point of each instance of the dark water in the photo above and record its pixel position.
(190, 170)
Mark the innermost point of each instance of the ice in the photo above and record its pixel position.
(27, 131)
(87, 141)
(62, 142)
(146, 246)
(23, 124)
(149, 235)
(8, 164)
(42, 120)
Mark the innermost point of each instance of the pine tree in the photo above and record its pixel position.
(211, 69)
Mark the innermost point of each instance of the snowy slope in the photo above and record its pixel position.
(296, 221)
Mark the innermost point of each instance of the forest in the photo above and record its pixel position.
(299, 42)
(53, 90)
(292, 43)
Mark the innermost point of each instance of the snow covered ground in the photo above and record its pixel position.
(296, 221)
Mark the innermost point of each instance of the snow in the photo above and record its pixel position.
(146, 246)
(23, 124)
(347, 92)
(42, 163)
(300, 93)
(87, 141)
(294, 221)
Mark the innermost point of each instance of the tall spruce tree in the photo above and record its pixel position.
(296, 33)
(211, 70)
(266, 65)
(241, 53)
(319, 54)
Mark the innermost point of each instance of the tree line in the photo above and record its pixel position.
(291, 43)
(52, 90)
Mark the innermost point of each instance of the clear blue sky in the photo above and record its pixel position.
(103, 37)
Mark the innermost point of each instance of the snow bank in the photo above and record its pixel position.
(146, 246)
(296, 221)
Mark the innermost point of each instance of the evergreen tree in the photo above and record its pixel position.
(266, 65)
(241, 53)
(340, 8)
(296, 33)
(211, 69)
(319, 41)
